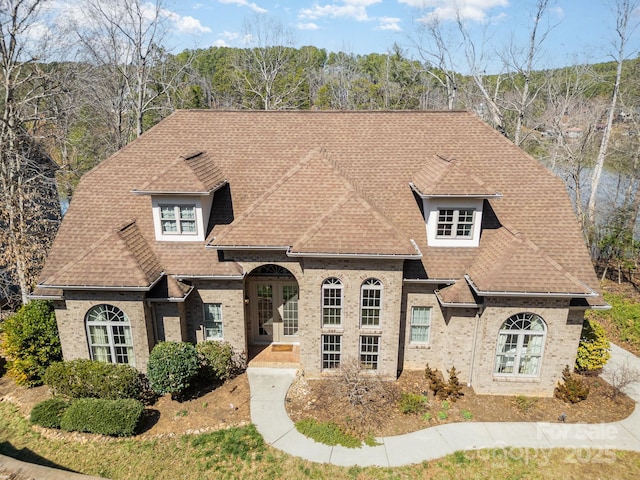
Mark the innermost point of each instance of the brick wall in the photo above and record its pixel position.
(70, 316)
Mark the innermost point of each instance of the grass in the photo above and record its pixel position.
(241, 453)
(327, 432)
(625, 318)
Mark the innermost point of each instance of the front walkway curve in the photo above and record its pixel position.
(269, 387)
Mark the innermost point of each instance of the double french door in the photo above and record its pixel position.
(273, 305)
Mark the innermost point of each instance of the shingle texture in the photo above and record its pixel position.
(327, 183)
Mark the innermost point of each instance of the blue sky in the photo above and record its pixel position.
(583, 29)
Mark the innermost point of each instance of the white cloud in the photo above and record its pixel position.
(307, 26)
(244, 3)
(474, 10)
(190, 25)
(355, 9)
(389, 23)
(220, 43)
(230, 35)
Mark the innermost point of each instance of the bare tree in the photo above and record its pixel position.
(122, 44)
(271, 69)
(29, 209)
(625, 26)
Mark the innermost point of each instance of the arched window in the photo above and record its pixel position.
(109, 334)
(370, 302)
(331, 302)
(520, 345)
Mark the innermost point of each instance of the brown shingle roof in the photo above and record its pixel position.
(287, 170)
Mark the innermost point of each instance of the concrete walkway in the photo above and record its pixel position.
(269, 387)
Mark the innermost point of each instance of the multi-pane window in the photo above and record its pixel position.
(370, 302)
(109, 334)
(178, 219)
(331, 302)
(212, 321)
(420, 324)
(290, 309)
(455, 223)
(520, 345)
(369, 352)
(331, 351)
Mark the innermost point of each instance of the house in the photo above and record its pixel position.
(394, 238)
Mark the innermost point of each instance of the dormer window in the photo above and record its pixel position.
(178, 219)
(455, 223)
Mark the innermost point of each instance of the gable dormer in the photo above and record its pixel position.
(453, 201)
(181, 197)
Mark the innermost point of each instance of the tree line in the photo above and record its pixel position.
(74, 95)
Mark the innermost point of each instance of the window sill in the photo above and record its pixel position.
(326, 330)
(516, 379)
(420, 346)
(370, 331)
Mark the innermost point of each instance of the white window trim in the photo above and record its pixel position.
(323, 352)
(371, 286)
(332, 283)
(125, 322)
(204, 322)
(520, 333)
(455, 223)
(362, 353)
(177, 209)
(432, 208)
(428, 325)
(202, 209)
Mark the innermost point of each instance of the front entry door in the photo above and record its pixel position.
(274, 311)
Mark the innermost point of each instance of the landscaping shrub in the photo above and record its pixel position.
(572, 389)
(436, 382)
(453, 387)
(218, 361)
(412, 403)
(31, 342)
(593, 350)
(172, 366)
(93, 379)
(49, 412)
(107, 417)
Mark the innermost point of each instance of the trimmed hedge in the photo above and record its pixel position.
(49, 412)
(172, 366)
(31, 342)
(108, 417)
(218, 361)
(93, 379)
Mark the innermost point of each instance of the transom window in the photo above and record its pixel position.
(109, 334)
(370, 302)
(520, 345)
(332, 302)
(331, 351)
(212, 321)
(455, 223)
(369, 352)
(178, 219)
(420, 324)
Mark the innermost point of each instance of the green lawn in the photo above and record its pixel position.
(241, 453)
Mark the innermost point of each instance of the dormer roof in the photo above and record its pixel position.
(192, 174)
(444, 177)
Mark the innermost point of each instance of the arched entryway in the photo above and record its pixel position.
(271, 297)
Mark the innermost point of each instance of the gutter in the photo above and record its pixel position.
(104, 287)
(489, 293)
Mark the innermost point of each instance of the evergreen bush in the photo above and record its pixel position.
(49, 412)
(218, 361)
(453, 387)
(593, 349)
(108, 417)
(84, 378)
(572, 389)
(172, 366)
(31, 342)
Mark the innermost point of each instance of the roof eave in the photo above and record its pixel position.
(115, 288)
(483, 196)
(176, 192)
(490, 293)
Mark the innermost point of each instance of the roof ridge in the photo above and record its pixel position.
(270, 191)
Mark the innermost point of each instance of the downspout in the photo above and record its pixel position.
(473, 346)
